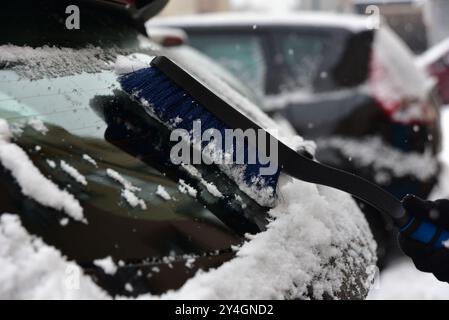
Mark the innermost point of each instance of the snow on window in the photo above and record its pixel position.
(53, 61)
(183, 187)
(51, 163)
(119, 178)
(32, 182)
(365, 153)
(33, 270)
(131, 63)
(133, 200)
(128, 192)
(75, 174)
(107, 264)
(211, 188)
(161, 192)
(38, 125)
(89, 159)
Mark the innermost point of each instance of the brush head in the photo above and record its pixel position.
(167, 101)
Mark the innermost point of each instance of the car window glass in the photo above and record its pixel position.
(68, 104)
(302, 55)
(241, 54)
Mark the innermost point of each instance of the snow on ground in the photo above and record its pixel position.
(403, 280)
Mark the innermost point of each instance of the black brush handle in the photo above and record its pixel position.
(311, 171)
(290, 161)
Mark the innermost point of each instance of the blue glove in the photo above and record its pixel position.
(425, 238)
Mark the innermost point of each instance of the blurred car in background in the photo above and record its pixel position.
(60, 96)
(436, 62)
(355, 90)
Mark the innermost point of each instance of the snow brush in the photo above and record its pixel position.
(178, 99)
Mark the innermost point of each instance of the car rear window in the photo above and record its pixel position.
(77, 101)
(242, 54)
(302, 54)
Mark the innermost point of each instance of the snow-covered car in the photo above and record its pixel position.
(436, 62)
(341, 81)
(92, 207)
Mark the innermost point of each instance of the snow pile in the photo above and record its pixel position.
(373, 152)
(318, 243)
(32, 270)
(32, 182)
(128, 192)
(404, 281)
(75, 174)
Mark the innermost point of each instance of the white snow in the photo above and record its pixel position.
(395, 77)
(373, 152)
(89, 159)
(51, 163)
(183, 187)
(57, 61)
(71, 171)
(403, 281)
(107, 264)
(133, 200)
(249, 19)
(161, 192)
(32, 182)
(129, 190)
(119, 178)
(313, 225)
(38, 125)
(131, 63)
(433, 54)
(211, 188)
(30, 269)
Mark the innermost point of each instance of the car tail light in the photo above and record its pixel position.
(394, 99)
(167, 37)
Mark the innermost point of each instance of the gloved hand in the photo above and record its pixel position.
(428, 257)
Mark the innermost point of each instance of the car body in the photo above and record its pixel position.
(88, 128)
(436, 62)
(340, 81)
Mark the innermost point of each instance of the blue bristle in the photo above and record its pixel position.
(169, 101)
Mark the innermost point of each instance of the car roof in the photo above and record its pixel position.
(344, 21)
